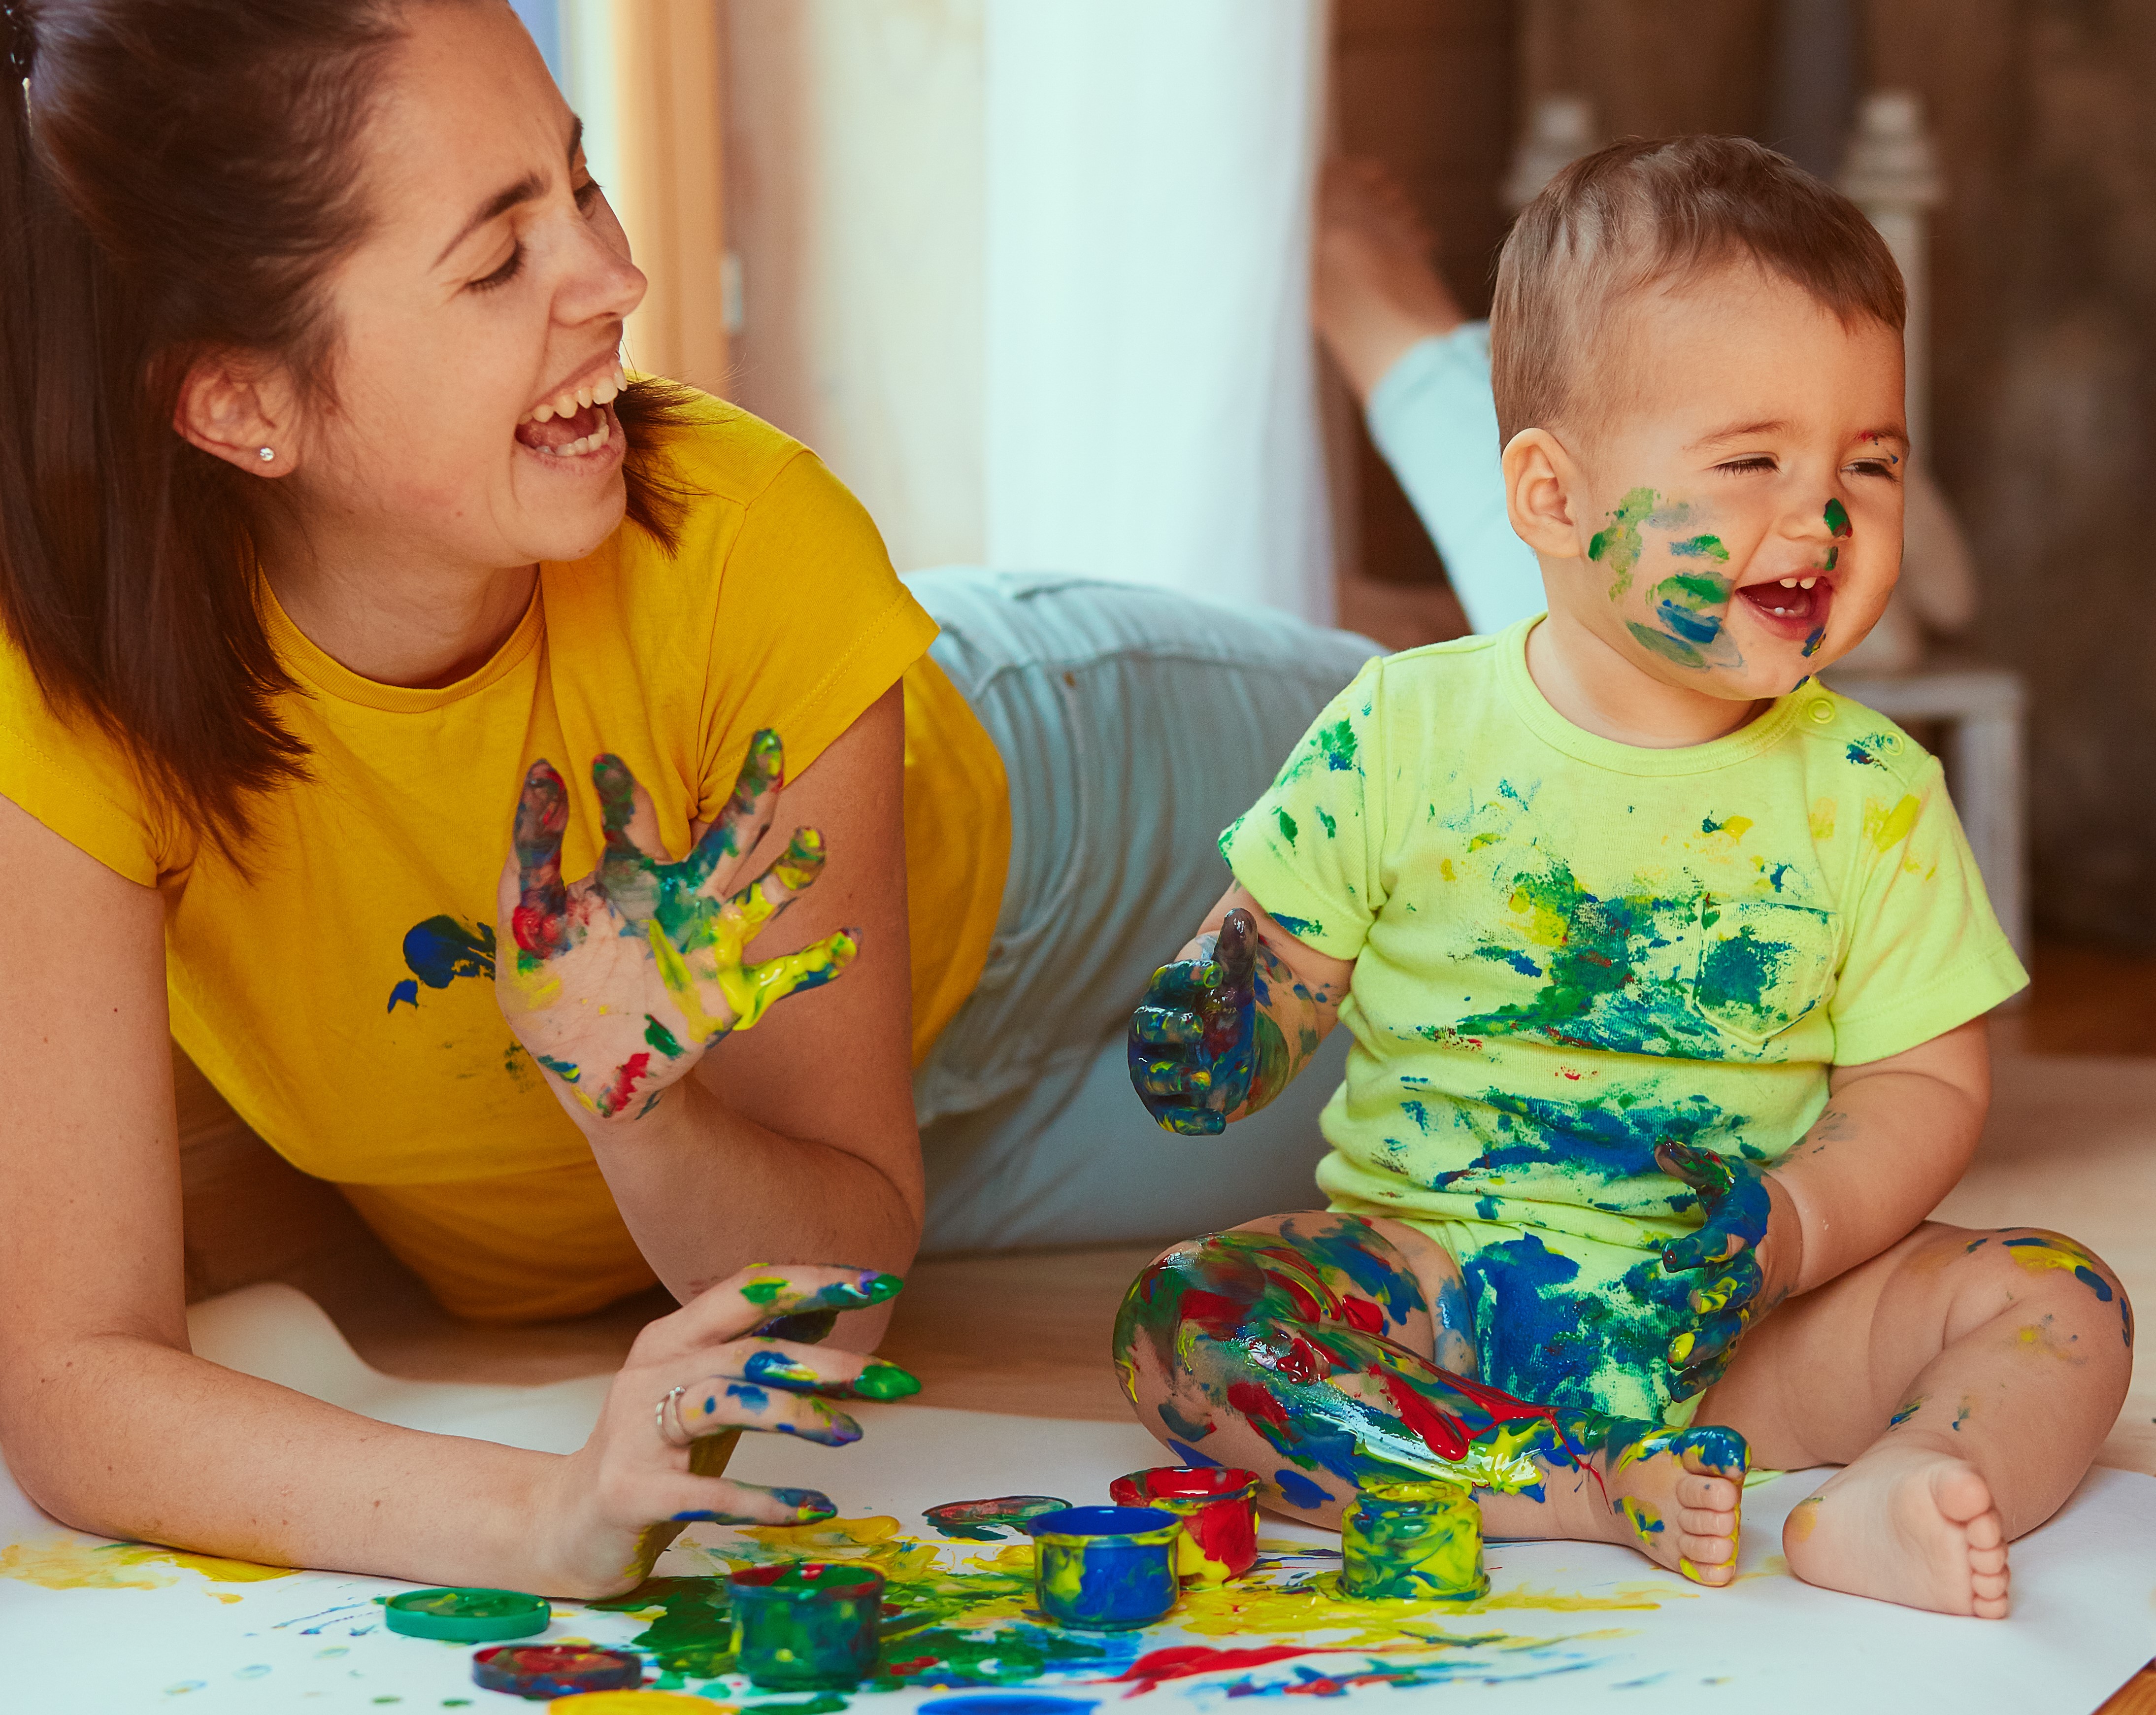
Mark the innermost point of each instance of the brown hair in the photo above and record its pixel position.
(1641, 213)
(176, 179)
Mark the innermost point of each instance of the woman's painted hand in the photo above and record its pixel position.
(611, 1508)
(617, 984)
(1736, 1253)
(1194, 1041)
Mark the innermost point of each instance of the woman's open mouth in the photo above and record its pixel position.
(578, 423)
(1793, 607)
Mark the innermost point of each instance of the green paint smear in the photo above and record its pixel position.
(660, 1037)
(696, 1634)
(1837, 518)
(826, 1704)
(1619, 545)
(1287, 824)
(1738, 974)
(1700, 548)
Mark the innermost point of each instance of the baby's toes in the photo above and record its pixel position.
(1707, 1524)
(1709, 1494)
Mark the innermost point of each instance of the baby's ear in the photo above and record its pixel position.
(1540, 478)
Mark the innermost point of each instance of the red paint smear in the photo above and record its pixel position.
(1300, 1362)
(1306, 1306)
(1442, 1435)
(1219, 1317)
(1362, 1313)
(1150, 1669)
(1254, 1401)
(613, 1099)
(538, 932)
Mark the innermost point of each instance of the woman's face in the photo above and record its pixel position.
(492, 288)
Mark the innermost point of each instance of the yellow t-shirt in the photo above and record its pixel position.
(1568, 950)
(339, 996)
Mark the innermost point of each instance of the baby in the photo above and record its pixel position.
(1665, 967)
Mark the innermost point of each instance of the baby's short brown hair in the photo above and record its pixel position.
(1640, 213)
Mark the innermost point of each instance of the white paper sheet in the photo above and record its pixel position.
(2083, 1620)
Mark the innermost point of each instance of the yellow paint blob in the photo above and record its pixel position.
(1804, 1520)
(72, 1563)
(1885, 828)
(639, 1703)
(1823, 814)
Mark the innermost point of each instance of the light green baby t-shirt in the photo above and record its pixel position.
(1568, 950)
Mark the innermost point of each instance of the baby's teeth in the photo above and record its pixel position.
(1809, 583)
(545, 413)
(1788, 583)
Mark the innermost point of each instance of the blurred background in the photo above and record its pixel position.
(1033, 276)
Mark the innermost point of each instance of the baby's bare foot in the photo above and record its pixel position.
(1374, 292)
(1906, 1523)
(1678, 1496)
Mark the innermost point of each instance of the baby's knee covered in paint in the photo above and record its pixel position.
(2033, 1265)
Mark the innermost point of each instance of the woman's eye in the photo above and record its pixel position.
(1746, 466)
(502, 276)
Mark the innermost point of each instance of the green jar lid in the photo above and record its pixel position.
(469, 1616)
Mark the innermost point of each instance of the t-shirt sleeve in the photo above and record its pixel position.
(812, 626)
(73, 778)
(1925, 952)
(1308, 850)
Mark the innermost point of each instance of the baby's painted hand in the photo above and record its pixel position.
(1193, 1038)
(1738, 1279)
(620, 981)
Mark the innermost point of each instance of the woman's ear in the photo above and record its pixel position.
(1540, 477)
(238, 414)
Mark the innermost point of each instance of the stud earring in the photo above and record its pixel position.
(268, 455)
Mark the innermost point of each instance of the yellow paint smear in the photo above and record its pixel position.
(70, 1563)
(1885, 828)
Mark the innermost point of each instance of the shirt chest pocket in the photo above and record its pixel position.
(1762, 965)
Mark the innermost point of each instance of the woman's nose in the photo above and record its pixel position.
(602, 281)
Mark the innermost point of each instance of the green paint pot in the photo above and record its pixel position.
(806, 1625)
(1418, 1541)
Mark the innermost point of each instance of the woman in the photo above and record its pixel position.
(334, 543)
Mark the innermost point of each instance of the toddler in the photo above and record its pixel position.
(1666, 969)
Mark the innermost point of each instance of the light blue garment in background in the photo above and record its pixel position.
(1434, 418)
(1134, 725)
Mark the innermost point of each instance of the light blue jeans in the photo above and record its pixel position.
(1134, 726)
(1433, 417)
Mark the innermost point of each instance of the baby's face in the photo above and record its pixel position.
(1739, 516)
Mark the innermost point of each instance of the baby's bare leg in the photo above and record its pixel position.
(1964, 1378)
(1301, 1348)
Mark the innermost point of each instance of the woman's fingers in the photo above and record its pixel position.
(719, 1402)
(793, 872)
(630, 824)
(747, 818)
(757, 1295)
(805, 1369)
(760, 987)
(540, 920)
(713, 1500)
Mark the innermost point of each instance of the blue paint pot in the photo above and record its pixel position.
(1105, 1568)
(807, 1624)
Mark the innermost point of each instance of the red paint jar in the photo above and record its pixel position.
(1219, 1508)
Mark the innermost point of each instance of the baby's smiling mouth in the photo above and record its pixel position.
(1792, 607)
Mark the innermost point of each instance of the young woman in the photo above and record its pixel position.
(417, 719)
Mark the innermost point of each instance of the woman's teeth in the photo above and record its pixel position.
(589, 443)
(567, 405)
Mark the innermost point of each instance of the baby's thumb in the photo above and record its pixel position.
(1237, 950)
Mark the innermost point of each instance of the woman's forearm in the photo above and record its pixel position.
(705, 1191)
(127, 1437)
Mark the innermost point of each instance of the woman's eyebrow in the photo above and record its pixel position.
(523, 191)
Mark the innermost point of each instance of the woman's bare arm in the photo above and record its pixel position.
(111, 1424)
(795, 1140)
